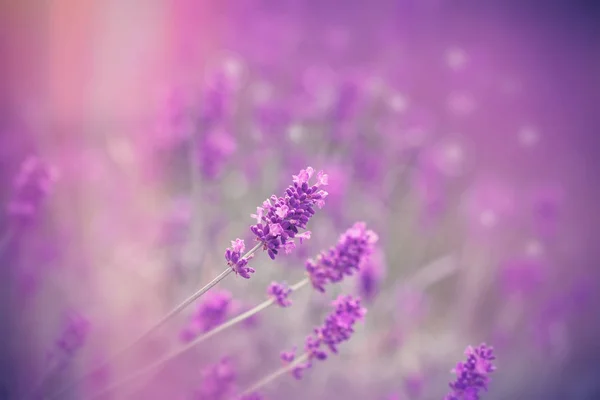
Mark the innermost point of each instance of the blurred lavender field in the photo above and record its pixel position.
(138, 137)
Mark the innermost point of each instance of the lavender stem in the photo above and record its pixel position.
(159, 324)
(274, 375)
(198, 340)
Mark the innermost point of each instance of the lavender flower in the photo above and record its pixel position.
(280, 292)
(343, 259)
(210, 313)
(337, 328)
(472, 375)
(238, 263)
(280, 218)
(218, 381)
(32, 185)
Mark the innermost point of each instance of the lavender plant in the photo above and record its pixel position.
(472, 376)
(337, 328)
(353, 250)
(279, 221)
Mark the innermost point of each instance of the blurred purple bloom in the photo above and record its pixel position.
(522, 275)
(372, 272)
(273, 117)
(353, 248)
(280, 292)
(217, 97)
(218, 381)
(31, 187)
(215, 147)
(547, 203)
(345, 106)
(211, 312)
(337, 328)
(72, 338)
(472, 375)
(280, 218)
(413, 385)
(235, 259)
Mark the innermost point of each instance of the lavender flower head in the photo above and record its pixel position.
(337, 328)
(280, 293)
(31, 186)
(280, 219)
(213, 311)
(218, 381)
(353, 248)
(473, 374)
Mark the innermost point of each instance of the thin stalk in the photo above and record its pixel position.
(198, 340)
(159, 324)
(271, 377)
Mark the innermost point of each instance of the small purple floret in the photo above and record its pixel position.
(353, 248)
(472, 375)
(238, 263)
(280, 293)
(32, 185)
(72, 338)
(218, 381)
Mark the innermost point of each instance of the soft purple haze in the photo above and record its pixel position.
(138, 138)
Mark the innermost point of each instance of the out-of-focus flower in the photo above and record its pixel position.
(344, 259)
(218, 381)
(413, 385)
(215, 147)
(547, 202)
(211, 312)
(472, 375)
(337, 328)
(280, 218)
(72, 338)
(372, 272)
(217, 97)
(280, 293)
(32, 185)
(347, 99)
